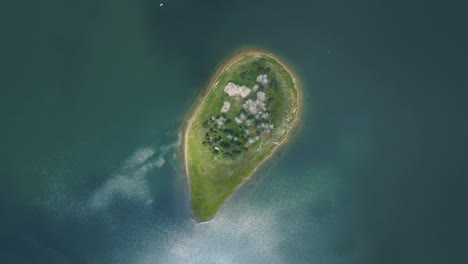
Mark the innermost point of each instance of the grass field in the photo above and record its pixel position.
(221, 152)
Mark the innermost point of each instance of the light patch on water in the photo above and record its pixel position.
(133, 188)
(139, 157)
(248, 229)
(249, 237)
(160, 162)
(130, 181)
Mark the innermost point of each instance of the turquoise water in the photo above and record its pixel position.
(93, 95)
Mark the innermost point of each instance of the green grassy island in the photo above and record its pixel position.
(247, 112)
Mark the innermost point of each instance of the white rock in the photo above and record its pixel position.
(261, 96)
(254, 106)
(225, 107)
(234, 90)
(262, 78)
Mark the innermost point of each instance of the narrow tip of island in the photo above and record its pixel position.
(248, 110)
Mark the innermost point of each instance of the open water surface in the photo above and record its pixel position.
(94, 92)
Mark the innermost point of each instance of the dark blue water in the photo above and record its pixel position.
(93, 95)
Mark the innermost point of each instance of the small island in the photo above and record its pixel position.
(248, 110)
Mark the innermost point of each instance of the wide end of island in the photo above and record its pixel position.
(247, 112)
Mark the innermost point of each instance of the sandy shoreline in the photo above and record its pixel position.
(212, 83)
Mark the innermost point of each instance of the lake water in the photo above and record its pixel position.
(93, 95)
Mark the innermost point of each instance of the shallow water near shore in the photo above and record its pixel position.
(94, 95)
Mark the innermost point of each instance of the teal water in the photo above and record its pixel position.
(93, 94)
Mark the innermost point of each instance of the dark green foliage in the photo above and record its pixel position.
(244, 76)
(274, 84)
(221, 137)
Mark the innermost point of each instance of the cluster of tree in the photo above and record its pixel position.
(218, 141)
